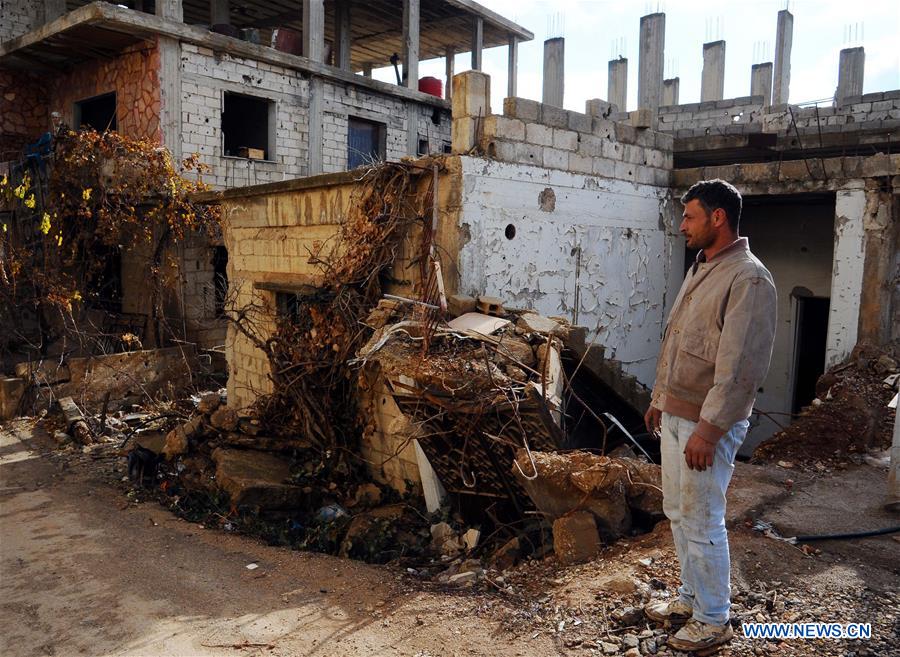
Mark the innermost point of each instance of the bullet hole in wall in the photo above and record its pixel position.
(510, 231)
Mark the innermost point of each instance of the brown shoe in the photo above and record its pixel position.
(697, 636)
(676, 612)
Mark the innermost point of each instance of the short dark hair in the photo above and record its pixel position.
(716, 194)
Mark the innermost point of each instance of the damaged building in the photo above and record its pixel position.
(557, 229)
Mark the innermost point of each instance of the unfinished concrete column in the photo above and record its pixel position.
(761, 82)
(471, 103)
(847, 275)
(411, 43)
(554, 71)
(712, 84)
(449, 66)
(617, 85)
(477, 42)
(53, 9)
(650, 60)
(316, 137)
(784, 38)
(512, 68)
(219, 12)
(170, 95)
(314, 30)
(170, 9)
(342, 37)
(850, 74)
(670, 91)
(893, 496)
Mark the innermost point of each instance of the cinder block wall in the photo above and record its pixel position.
(19, 16)
(206, 76)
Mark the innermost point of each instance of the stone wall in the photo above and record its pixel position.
(23, 112)
(19, 17)
(133, 76)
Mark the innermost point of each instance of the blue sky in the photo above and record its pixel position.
(592, 26)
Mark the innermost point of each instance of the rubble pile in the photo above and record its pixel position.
(849, 416)
(489, 386)
(589, 497)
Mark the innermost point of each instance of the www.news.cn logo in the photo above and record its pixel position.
(807, 630)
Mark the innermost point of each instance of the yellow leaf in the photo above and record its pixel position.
(86, 194)
(30, 202)
(45, 224)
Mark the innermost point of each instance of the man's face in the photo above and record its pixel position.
(697, 226)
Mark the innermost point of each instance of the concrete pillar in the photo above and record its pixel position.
(170, 9)
(367, 70)
(761, 82)
(411, 43)
(712, 84)
(316, 129)
(53, 9)
(471, 103)
(412, 129)
(784, 38)
(617, 86)
(449, 65)
(847, 271)
(893, 498)
(650, 60)
(170, 95)
(219, 12)
(512, 68)
(477, 43)
(554, 71)
(850, 74)
(670, 91)
(343, 36)
(314, 30)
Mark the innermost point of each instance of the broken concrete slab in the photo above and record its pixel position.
(575, 538)
(178, 440)
(256, 479)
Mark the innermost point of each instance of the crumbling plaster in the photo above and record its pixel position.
(847, 274)
(601, 257)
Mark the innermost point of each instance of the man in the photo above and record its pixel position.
(714, 356)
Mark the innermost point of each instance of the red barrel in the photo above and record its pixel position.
(432, 86)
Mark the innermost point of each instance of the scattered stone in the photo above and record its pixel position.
(609, 648)
(507, 556)
(61, 438)
(619, 584)
(444, 540)
(460, 304)
(224, 419)
(256, 479)
(534, 323)
(629, 615)
(575, 538)
(471, 538)
(368, 495)
(633, 652)
(468, 577)
(209, 402)
(630, 641)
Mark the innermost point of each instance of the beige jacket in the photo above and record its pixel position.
(718, 341)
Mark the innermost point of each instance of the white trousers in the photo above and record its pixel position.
(694, 503)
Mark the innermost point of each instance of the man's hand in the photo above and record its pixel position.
(653, 421)
(699, 453)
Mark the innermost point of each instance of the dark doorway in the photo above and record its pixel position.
(812, 333)
(98, 113)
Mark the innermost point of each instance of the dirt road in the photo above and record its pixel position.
(81, 575)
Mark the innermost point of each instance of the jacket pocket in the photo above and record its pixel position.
(695, 364)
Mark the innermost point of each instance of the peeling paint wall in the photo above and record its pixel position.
(847, 274)
(599, 255)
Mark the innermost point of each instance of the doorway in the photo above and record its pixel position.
(809, 348)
